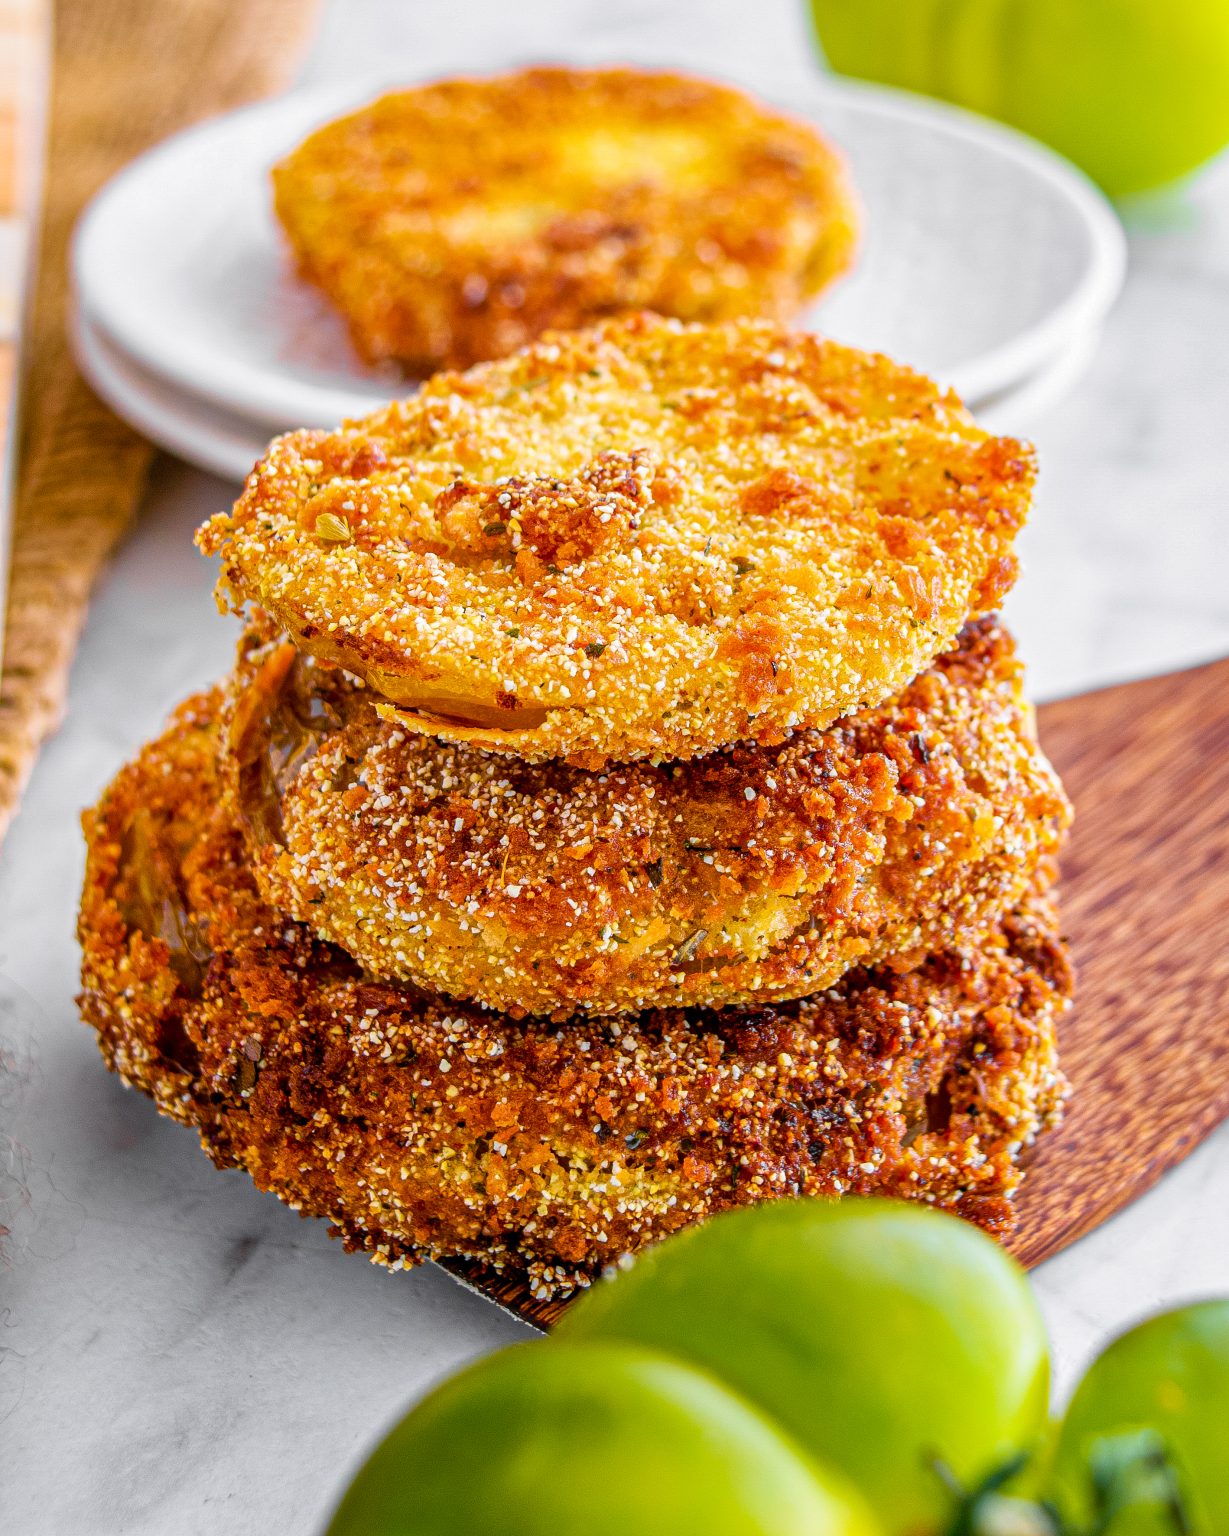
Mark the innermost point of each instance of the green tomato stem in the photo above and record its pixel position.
(1126, 1471)
(985, 1511)
(1131, 1470)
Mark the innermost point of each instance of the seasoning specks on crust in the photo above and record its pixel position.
(643, 540)
(454, 222)
(751, 875)
(425, 1129)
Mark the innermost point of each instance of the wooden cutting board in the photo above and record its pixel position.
(1145, 900)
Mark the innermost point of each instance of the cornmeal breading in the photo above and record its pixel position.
(457, 221)
(751, 875)
(643, 540)
(427, 1129)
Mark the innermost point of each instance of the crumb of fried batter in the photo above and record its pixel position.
(750, 875)
(456, 221)
(642, 540)
(426, 1129)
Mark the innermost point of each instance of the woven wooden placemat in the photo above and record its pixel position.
(125, 73)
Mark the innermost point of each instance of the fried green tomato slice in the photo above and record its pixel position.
(642, 540)
(457, 221)
(750, 875)
(423, 1128)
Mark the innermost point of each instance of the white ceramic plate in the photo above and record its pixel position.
(984, 253)
(191, 429)
(1016, 411)
(228, 445)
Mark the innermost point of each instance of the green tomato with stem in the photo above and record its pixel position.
(1164, 1385)
(885, 1337)
(1136, 92)
(549, 1439)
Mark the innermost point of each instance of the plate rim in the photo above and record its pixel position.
(275, 399)
(166, 414)
(1001, 368)
(214, 448)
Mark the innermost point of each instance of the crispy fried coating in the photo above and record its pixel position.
(454, 222)
(427, 1129)
(642, 540)
(750, 875)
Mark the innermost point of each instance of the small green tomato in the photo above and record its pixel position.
(606, 1439)
(1134, 91)
(1163, 1383)
(880, 1335)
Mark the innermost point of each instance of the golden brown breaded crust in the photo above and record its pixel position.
(643, 540)
(427, 1129)
(750, 875)
(457, 221)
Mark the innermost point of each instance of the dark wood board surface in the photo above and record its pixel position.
(1145, 902)
(1145, 899)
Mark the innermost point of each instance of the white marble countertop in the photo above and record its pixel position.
(179, 1353)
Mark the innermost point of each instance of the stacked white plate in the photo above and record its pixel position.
(987, 262)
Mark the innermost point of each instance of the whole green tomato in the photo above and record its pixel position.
(1134, 91)
(880, 1334)
(606, 1439)
(1171, 1375)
